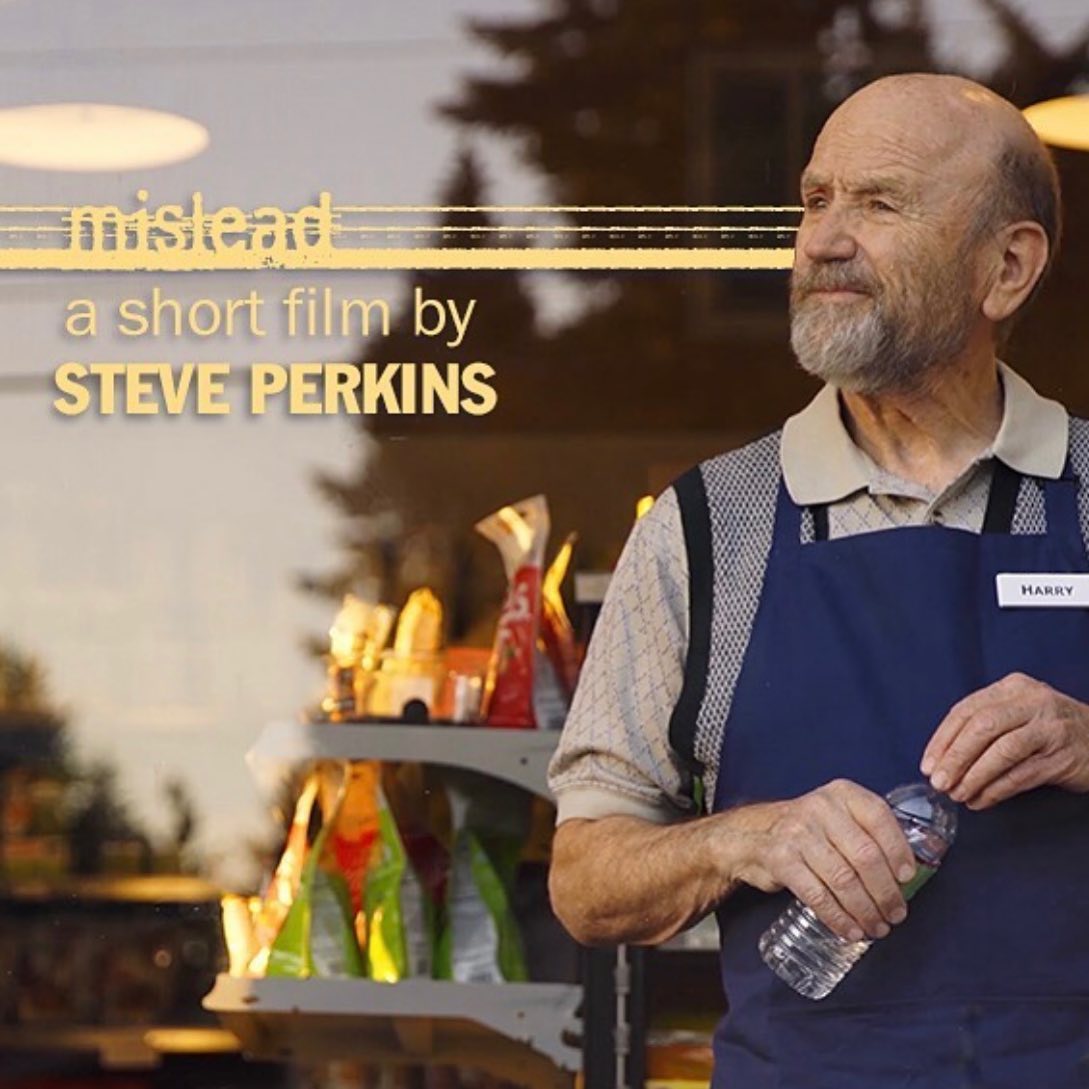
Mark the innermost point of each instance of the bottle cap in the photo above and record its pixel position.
(922, 808)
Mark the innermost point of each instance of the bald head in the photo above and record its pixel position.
(951, 107)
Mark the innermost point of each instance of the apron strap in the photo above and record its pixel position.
(1062, 508)
(1005, 485)
(691, 493)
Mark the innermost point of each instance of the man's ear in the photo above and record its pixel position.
(1020, 260)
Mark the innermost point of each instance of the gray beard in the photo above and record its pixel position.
(860, 348)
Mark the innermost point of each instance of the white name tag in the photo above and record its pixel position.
(1042, 591)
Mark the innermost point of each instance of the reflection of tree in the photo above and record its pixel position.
(100, 817)
(615, 104)
(599, 99)
(612, 103)
(183, 814)
(1032, 71)
(62, 814)
(22, 685)
(399, 532)
(30, 725)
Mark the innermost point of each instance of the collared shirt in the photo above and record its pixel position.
(614, 757)
(822, 465)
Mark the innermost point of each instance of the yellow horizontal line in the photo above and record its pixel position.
(559, 229)
(391, 209)
(511, 228)
(387, 208)
(702, 208)
(19, 229)
(35, 207)
(491, 228)
(392, 259)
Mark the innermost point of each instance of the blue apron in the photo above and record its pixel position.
(859, 648)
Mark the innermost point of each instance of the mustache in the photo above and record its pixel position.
(833, 277)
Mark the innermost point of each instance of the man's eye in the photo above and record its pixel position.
(878, 205)
(815, 204)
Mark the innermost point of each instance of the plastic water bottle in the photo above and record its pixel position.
(804, 953)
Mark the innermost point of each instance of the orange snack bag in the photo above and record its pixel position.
(557, 634)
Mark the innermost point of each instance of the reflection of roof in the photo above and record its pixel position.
(129, 1047)
(151, 889)
(28, 736)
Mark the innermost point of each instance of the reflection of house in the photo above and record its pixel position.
(96, 972)
(102, 979)
(31, 795)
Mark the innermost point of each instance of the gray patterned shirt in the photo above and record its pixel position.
(614, 756)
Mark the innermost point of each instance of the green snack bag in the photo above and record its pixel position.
(317, 938)
(399, 920)
(480, 941)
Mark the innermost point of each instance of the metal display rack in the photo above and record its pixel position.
(516, 756)
(527, 1032)
(519, 1031)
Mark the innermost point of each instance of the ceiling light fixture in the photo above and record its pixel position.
(91, 136)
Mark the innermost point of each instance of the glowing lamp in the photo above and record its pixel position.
(1063, 122)
(89, 136)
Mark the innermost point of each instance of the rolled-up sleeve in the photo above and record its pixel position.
(614, 756)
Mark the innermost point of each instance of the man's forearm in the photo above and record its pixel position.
(621, 879)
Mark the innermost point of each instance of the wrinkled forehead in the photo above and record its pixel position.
(925, 146)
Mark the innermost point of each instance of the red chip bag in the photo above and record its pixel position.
(520, 532)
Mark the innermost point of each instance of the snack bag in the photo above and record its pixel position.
(281, 890)
(317, 938)
(355, 830)
(399, 920)
(238, 915)
(480, 940)
(557, 634)
(421, 812)
(521, 688)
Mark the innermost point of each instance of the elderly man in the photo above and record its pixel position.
(807, 622)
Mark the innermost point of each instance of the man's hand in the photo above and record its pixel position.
(1014, 735)
(840, 850)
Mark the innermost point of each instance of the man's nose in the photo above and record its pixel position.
(827, 235)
